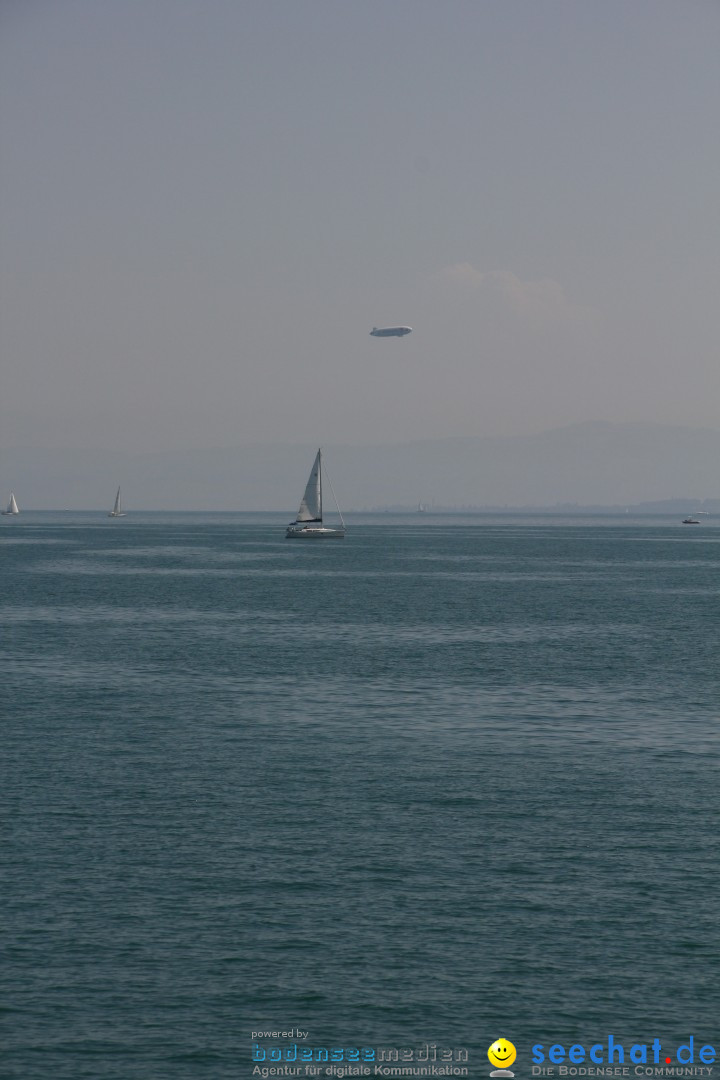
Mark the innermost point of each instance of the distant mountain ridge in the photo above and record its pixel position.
(597, 463)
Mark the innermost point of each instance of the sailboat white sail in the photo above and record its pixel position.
(309, 521)
(117, 510)
(12, 506)
(311, 504)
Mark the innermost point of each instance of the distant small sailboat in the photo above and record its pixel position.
(117, 510)
(309, 522)
(12, 506)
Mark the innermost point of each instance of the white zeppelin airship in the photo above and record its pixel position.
(390, 331)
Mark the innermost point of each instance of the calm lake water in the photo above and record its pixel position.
(445, 780)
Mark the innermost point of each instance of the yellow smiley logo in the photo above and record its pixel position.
(502, 1053)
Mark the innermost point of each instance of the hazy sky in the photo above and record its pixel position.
(208, 204)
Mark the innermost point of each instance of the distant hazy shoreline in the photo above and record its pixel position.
(583, 468)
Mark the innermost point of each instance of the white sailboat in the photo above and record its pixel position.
(12, 506)
(117, 510)
(309, 522)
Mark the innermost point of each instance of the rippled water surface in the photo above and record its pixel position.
(445, 780)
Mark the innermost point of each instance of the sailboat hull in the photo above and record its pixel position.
(313, 532)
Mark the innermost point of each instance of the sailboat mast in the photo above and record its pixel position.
(320, 480)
